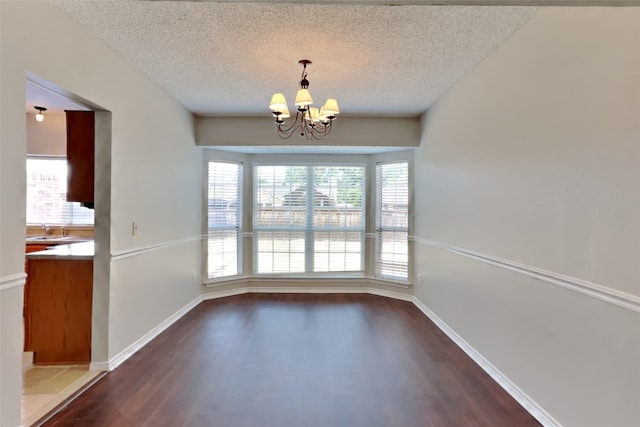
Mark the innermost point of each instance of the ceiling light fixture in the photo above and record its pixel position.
(313, 123)
(39, 116)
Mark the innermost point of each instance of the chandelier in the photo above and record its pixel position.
(311, 122)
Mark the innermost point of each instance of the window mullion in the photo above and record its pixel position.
(309, 244)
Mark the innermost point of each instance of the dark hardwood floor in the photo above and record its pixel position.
(298, 360)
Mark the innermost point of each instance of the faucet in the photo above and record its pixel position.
(46, 229)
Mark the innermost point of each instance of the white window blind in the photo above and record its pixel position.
(308, 218)
(392, 221)
(224, 202)
(47, 193)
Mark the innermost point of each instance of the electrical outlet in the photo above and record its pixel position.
(419, 278)
(194, 276)
(134, 228)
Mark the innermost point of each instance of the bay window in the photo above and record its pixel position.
(322, 216)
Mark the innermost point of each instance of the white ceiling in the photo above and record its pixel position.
(55, 103)
(228, 58)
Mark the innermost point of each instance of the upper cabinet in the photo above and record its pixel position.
(80, 156)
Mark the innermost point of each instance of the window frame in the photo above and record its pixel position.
(379, 229)
(308, 228)
(238, 228)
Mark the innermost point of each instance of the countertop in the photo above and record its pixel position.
(55, 240)
(73, 251)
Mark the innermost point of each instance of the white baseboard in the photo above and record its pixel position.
(99, 366)
(308, 290)
(146, 338)
(390, 294)
(221, 294)
(514, 391)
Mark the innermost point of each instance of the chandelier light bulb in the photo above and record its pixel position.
(39, 115)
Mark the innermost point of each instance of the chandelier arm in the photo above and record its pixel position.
(320, 133)
(290, 125)
(288, 130)
(286, 127)
(284, 135)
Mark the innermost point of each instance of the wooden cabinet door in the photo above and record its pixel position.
(80, 156)
(59, 310)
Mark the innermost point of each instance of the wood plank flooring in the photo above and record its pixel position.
(298, 360)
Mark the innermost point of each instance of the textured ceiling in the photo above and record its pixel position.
(228, 58)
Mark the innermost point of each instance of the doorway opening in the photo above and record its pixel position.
(66, 248)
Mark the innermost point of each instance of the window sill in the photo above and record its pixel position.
(338, 281)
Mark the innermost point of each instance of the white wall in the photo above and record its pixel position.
(531, 163)
(346, 131)
(153, 167)
(48, 137)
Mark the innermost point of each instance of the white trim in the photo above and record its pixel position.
(116, 361)
(603, 293)
(391, 294)
(99, 366)
(222, 294)
(12, 281)
(308, 290)
(230, 281)
(118, 255)
(340, 280)
(514, 391)
(388, 282)
(537, 3)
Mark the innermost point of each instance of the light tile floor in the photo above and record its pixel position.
(45, 387)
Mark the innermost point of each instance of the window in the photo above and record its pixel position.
(47, 194)
(224, 201)
(309, 219)
(392, 221)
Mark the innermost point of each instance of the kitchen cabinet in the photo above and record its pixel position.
(81, 156)
(58, 304)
